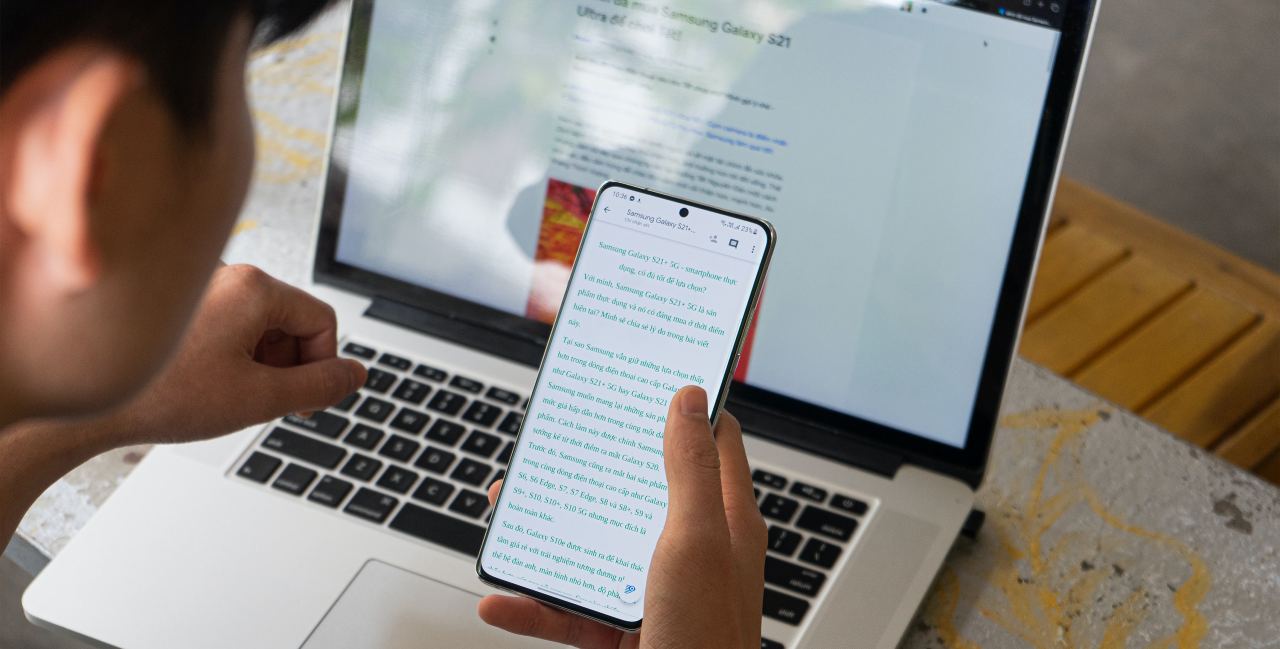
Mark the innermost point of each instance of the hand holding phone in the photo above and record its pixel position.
(707, 573)
(660, 297)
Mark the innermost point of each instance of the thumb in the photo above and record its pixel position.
(692, 459)
(312, 386)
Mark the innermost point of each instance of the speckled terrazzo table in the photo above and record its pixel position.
(1102, 531)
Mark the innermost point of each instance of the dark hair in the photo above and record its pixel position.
(179, 41)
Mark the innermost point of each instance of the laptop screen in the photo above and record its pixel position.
(888, 142)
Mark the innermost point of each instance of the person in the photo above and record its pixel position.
(126, 149)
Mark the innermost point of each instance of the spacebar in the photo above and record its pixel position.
(438, 528)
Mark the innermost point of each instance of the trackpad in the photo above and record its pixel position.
(386, 607)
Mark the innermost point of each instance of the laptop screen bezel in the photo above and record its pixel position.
(968, 462)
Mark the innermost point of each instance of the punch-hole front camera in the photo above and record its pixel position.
(684, 211)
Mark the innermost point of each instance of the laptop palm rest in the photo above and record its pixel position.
(385, 607)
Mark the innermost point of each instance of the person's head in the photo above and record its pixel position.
(125, 153)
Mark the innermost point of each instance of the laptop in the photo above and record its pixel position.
(907, 154)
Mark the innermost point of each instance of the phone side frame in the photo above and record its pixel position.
(762, 270)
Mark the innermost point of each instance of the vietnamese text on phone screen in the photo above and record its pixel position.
(655, 303)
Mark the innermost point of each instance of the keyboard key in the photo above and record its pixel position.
(399, 448)
(435, 460)
(347, 402)
(820, 553)
(379, 381)
(511, 423)
(525, 404)
(330, 491)
(410, 421)
(792, 577)
(757, 490)
(433, 491)
(505, 396)
(766, 478)
(471, 472)
(375, 409)
(439, 528)
(365, 437)
(361, 467)
(320, 423)
(502, 473)
(766, 643)
(470, 503)
(505, 456)
(304, 448)
(359, 350)
(826, 523)
(397, 479)
(778, 507)
(783, 607)
(401, 364)
(259, 467)
(447, 402)
(852, 505)
(482, 444)
(783, 541)
(371, 505)
(412, 391)
(482, 414)
(809, 491)
(294, 479)
(431, 373)
(464, 383)
(446, 432)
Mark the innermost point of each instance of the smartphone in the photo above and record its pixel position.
(660, 296)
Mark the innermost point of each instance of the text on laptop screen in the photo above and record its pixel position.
(888, 143)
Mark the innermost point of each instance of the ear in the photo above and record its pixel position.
(51, 123)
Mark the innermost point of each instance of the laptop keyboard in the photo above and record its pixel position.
(809, 530)
(417, 447)
(415, 450)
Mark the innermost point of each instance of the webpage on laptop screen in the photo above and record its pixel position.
(888, 143)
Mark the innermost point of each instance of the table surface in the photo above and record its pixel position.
(1102, 530)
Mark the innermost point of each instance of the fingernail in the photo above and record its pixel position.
(694, 402)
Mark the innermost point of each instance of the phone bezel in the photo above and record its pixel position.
(744, 325)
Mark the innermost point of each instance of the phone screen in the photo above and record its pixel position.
(657, 300)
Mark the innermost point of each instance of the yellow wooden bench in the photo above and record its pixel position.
(1164, 324)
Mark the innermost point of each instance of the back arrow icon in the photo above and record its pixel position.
(606, 209)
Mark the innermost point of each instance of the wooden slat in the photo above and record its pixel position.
(1257, 439)
(1269, 468)
(1164, 350)
(1219, 396)
(1072, 256)
(1100, 313)
(1164, 244)
(1214, 382)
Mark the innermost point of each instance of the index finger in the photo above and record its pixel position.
(494, 490)
(735, 476)
(302, 315)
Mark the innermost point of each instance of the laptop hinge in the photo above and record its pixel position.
(805, 436)
(493, 341)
